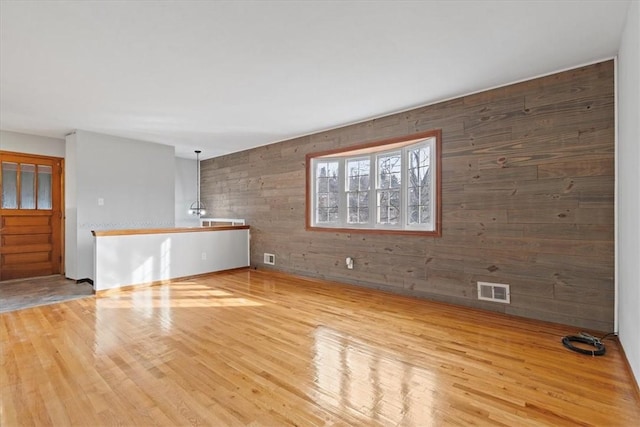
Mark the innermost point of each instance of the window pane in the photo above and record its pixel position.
(44, 187)
(333, 200)
(419, 215)
(389, 171)
(419, 186)
(413, 215)
(357, 216)
(27, 186)
(326, 169)
(363, 207)
(322, 215)
(358, 208)
(323, 185)
(9, 185)
(333, 215)
(388, 207)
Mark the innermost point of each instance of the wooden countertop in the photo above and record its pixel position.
(104, 233)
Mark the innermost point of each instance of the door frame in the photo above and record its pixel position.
(62, 213)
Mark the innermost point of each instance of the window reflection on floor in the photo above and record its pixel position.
(153, 308)
(369, 381)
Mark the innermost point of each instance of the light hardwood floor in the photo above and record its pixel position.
(267, 349)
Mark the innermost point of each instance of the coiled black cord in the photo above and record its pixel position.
(585, 338)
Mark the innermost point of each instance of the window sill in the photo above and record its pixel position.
(386, 231)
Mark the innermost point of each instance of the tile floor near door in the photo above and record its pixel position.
(25, 293)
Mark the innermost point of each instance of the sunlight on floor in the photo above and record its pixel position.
(154, 308)
(144, 303)
(353, 374)
(178, 294)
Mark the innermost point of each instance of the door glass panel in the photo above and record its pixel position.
(27, 186)
(9, 185)
(44, 187)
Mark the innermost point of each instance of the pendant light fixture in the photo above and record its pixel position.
(197, 208)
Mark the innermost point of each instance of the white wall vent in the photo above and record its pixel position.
(269, 259)
(495, 292)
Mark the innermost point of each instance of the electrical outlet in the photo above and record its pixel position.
(204, 256)
(349, 262)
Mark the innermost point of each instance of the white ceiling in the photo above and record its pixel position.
(225, 76)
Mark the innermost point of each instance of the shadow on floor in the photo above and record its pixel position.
(25, 293)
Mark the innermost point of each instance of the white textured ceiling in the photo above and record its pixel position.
(226, 76)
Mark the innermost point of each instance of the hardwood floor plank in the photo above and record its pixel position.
(257, 348)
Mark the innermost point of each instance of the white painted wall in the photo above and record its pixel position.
(31, 144)
(628, 157)
(185, 192)
(71, 208)
(146, 258)
(135, 180)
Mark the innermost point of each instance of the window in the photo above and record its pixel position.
(390, 186)
(25, 186)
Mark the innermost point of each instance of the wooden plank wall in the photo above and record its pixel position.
(528, 200)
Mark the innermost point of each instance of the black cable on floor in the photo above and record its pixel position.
(585, 338)
(608, 335)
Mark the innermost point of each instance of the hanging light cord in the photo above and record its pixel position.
(198, 181)
(198, 208)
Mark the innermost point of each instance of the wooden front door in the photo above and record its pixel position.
(30, 215)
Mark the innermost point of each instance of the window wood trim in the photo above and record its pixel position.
(364, 147)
